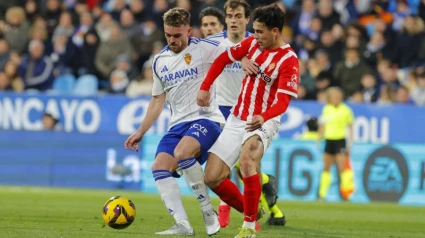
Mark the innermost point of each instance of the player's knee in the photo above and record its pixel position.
(181, 153)
(212, 181)
(247, 164)
(157, 166)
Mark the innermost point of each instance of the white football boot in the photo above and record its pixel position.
(179, 229)
(211, 222)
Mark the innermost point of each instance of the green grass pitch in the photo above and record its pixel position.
(50, 212)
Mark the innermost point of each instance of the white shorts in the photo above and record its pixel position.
(228, 146)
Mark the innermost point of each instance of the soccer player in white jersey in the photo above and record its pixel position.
(228, 87)
(178, 72)
(255, 118)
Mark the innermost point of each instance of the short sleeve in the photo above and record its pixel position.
(350, 116)
(324, 116)
(157, 88)
(212, 49)
(238, 51)
(289, 76)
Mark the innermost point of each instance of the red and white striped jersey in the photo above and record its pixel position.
(278, 73)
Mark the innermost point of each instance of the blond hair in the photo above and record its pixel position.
(14, 12)
(176, 17)
(331, 91)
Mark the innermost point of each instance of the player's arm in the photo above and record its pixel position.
(350, 118)
(234, 53)
(287, 88)
(156, 105)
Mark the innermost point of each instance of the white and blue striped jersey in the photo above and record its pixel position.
(180, 77)
(230, 80)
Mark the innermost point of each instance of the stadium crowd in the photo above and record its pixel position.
(374, 50)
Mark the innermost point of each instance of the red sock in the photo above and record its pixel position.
(230, 194)
(252, 193)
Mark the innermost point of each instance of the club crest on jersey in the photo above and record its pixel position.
(188, 58)
(271, 66)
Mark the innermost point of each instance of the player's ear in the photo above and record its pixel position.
(248, 18)
(189, 31)
(275, 31)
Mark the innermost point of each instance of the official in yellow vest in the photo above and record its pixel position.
(336, 118)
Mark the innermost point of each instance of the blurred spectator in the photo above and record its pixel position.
(369, 91)
(86, 55)
(402, 12)
(409, 42)
(128, 25)
(5, 83)
(119, 6)
(403, 96)
(65, 26)
(142, 86)
(11, 72)
(327, 14)
(52, 14)
(348, 73)
(307, 80)
(63, 53)
(115, 45)
(124, 63)
(4, 53)
(137, 8)
(15, 29)
(331, 46)
(301, 22)
(31, 10)
(418, 93)
(387, 95)
(323, 81)
(118, 82)
(86, 23)
(422, 10)
(321, 96)
(36, 69)
(389, 76)
(312, 130)
(144, 40)
(377, 49)
(50, 123)
(158, 9)
(302, 92)
(357, 97)
(323, 62)
(104, 26)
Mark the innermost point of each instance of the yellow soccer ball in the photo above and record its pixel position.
(119, 212)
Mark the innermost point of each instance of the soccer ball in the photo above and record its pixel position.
(119, 212)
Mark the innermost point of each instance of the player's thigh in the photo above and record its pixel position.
(197, 140)
(215, 171)
(340, 155)
(229, 143)
(164, 156)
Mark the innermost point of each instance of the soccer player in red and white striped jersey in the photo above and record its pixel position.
(255, 119)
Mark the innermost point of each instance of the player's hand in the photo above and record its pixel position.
(249, 66)
(132, 142)
(256, 123)
(203, 98)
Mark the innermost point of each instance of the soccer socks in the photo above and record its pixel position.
(194, 177)
(325, 183)
(170, 195)
(252, 193)
(230, 194)
(347, 183)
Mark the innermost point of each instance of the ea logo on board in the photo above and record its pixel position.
(385, 175)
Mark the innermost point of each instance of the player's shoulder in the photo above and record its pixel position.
(217, 37)
(198, 42)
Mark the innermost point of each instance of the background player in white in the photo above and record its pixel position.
(255, 118)
(178, 73)
(237, 16)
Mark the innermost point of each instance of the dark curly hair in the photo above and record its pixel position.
(271, 16)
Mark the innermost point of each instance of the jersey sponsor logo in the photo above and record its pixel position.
(188, 58)
(264, 76)
(235, 65)
(164, 69)
(294, 82)
(179, 74)
(200, 128)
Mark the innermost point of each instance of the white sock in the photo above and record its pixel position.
(222, 203)
(170, 195)
(250, 225)
(194, 176)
